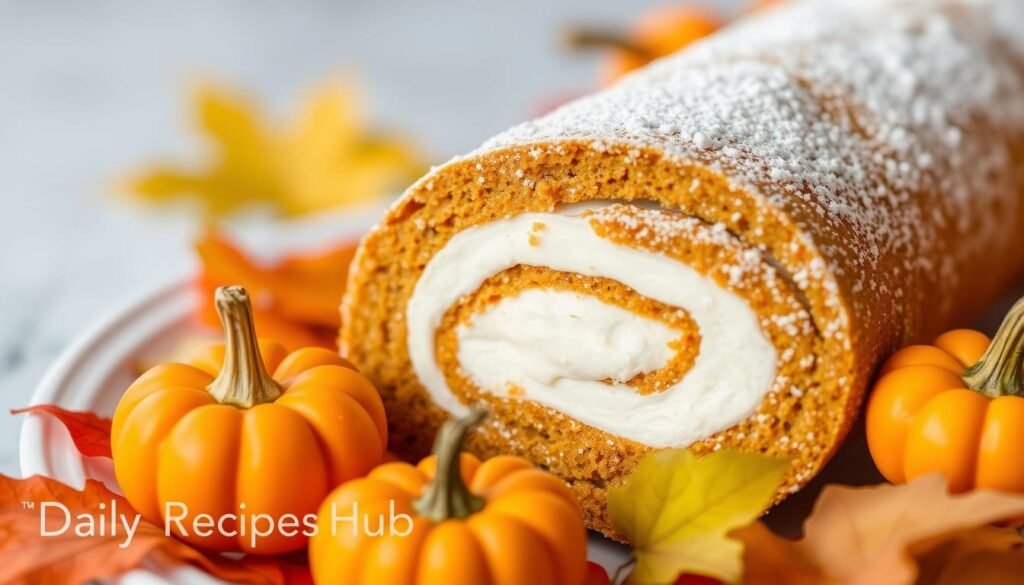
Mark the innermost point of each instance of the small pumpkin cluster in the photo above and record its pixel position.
(219, 450)
(954, 407)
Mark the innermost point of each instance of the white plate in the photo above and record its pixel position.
(94, 372)
(91, 375)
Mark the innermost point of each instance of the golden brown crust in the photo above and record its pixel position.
(884, 193)
(805, 424)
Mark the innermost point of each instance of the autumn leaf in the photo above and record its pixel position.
(879, 534)
(296, 300)
(78, 556)
(771, 560)
(305, 287)
(988, 554)
(677, 510)
(596, 575)
(290, 569)
(329, 159)
(89, 432)
(326, 160)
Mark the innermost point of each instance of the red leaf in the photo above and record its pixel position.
(77, 555)
(90, 433)
(596, 575)
(282, 570)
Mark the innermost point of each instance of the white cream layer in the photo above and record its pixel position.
(567, 341)
(733, 371)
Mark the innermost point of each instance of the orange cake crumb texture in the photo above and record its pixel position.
(519, 278)
(856, 205)
(804, 414)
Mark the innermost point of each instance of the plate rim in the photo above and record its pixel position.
(43, 438)
(36, 456)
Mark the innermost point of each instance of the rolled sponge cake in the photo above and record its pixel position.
(713, 253)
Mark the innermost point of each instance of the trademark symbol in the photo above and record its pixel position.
(27, 505)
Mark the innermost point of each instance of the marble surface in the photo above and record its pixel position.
(91, 89)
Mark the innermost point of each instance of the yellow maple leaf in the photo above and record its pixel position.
(327, 160)
(678, 510)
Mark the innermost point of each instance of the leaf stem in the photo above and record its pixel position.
(619, 571)
(583, 38)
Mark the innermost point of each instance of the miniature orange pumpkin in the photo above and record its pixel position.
(222, 437)
(954, 407)
(451, 520)
(657, 33)
(759, 5)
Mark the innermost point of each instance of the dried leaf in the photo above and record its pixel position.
(89, 432)
(988, 555)
(308, 287)
(327, 160)
(284, 570)
(872, 535)
(596, 575)
(296, 300)
(78, 555)
(677, 510)
(771, 560)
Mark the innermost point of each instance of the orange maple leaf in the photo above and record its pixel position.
(76, 555)
(295, 300)
(89, 432)
(879, 534)
(290, 569)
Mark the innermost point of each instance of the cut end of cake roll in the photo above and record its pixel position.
(714, 253)
(596, 321)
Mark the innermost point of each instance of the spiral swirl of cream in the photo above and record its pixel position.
(572, 352)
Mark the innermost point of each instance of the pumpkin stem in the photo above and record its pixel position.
(1000, 371)
(447, 496)
(243, 380)
(583, 38)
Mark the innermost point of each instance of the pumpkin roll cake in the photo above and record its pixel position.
(713, 253)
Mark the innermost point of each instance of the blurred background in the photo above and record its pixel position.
(94, 93)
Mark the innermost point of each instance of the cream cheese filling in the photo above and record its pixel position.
(507, 345)
(567, 341)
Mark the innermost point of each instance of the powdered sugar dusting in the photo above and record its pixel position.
(743, 266)
(867, 158)
(853, 113)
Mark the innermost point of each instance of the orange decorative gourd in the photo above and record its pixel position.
(759, 5)
(221, 437)
(954, 407)
(657, 33)
(451, 520)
